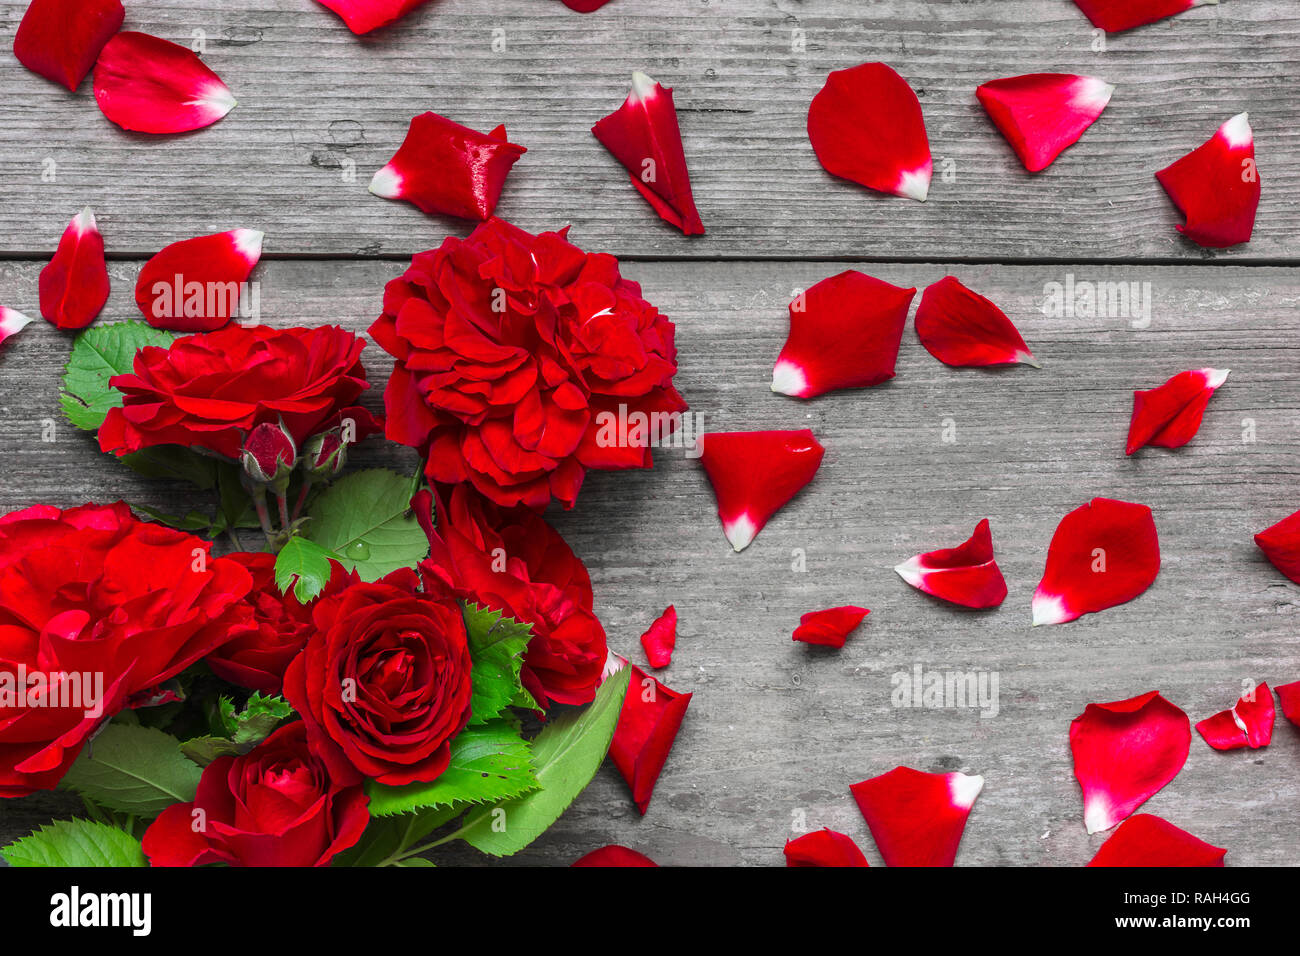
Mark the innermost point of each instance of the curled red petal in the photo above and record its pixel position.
(1248, 724)
(1146, 840)
(614, 855)
(447, 168)
(195, 285)
(362, 16)
(917, 818)
(966, 575)
(823, 848)
(1288, 695)
(1124, 753)
(643, 135)
(754, 474)
(844, 333)
(1216, 186)
(660, 639)
(74, 285)
(830, 627)
(647, 726)
(1281, 545)
(1169, 416)
(11, 322)
(1103, 553)
(1040, 114)
(149, 85)
(1115, 15)
(60, 39)
(865, 125)
(961, 327)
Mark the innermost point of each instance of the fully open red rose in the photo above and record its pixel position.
(511, 560)
(518, 357)
(98, 607)
(210, 390)
(383, 684)
(273, 806)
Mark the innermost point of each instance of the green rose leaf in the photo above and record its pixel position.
(496, 646)
(99, 353)
(303, 565)
(242, 731)
(75, 843)
(363, 518)
(133, 769)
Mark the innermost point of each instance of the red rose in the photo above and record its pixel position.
(383, 684)
(511, 560)
(273, 806)
(509, 348)
(91, 596)
(257, 660)
(209, 391)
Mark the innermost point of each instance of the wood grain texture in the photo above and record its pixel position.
(776, 732)
(320, 110)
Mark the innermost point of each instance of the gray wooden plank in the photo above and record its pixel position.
(776, 731)
(319, 107)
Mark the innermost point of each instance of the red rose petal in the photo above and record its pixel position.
(961, 327)
(916, 818)
(1124, 753)
(1281, 545)
(1103, 553)
(643, 135)
(149, 85)
(1170, 415)
(660, 639)
(585, 6)
(1288, 695)
(1146, 840)
(1216, 186)
(59, 39)
(1248, 724)
(194, 285)
(966, 575)
(754, 474)
(647, 726)
(11, 322)
(443, 167)
(844, 333)
(1115, 15)
(1040, 114)
(823, 848)
(866, 125)
(74, 286)
(614, 855)
(362, 16)
(831, 627)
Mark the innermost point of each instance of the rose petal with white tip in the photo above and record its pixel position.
(961, 327)
(1041, 114)
(966, 575)
(148, 85)
(1216, 186)
(195, 285)
(1169, 416)
(917, 818)
(11, 322)
(1248, 724)
(74, 285)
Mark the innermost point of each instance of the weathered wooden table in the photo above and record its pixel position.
(777, 731)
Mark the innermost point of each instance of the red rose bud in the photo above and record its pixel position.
(269, 455)
(325, 455)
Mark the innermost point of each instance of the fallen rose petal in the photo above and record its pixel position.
(647, 726)
(916, 818)
(1146, 840)
(844, 333)
(614, 855)
(1116, 15)
(961, 327)
(643, 135)
(196, 285)
(149, 85)
(660, 639)
(1169, 416)
(1248, 724)
(1040, 114)
(754, 474)
(1281, 545)
(1124, 753)
(1103, 553)
(865, 125)
(1288, 695)
(362, 16)
(443, 167)
(60, 39)
(1216, 186)
(585, 6)
(823, 848)
(74, 286)
(831, 627)
(11, 322)
(966, 575)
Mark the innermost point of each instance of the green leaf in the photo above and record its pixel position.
(75, 843)
(242, 731)
(496, 646)
(303, 565)
(176, 463)
(194, 521)
(99, 353)
(488, 763)
(566, 755)
(363, 518)
(134, 769)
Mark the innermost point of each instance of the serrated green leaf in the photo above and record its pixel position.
(364, 519)
(566, 755)
(415, 861)
(134, 769)
(303, 565)
(75, 843)
(242, 730)
(488, 763)
(176, 463)
(194, 521)
(99, 353)
(496, 646)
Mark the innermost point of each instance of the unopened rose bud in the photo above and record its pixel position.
(269, 456)
(326, 454)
